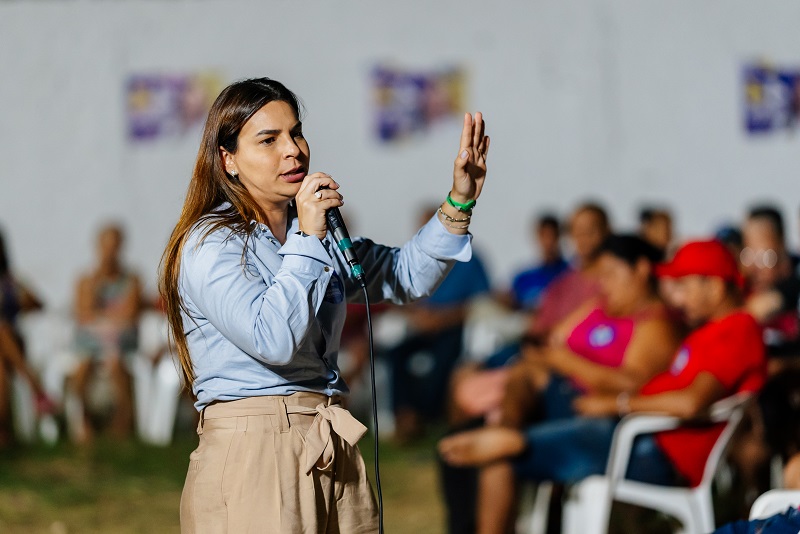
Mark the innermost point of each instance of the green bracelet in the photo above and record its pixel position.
(467, 206)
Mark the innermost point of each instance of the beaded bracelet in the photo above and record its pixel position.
(467, 219)
(447, 219)
(459, 227)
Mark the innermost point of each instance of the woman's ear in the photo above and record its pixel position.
(228, 161)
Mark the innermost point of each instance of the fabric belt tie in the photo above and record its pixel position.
(319, 442)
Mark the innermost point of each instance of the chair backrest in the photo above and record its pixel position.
(773, 502)
(728, 411)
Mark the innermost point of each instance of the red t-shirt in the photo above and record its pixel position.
(732, 350)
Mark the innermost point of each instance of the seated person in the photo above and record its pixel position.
(655, 227)
(722, 356)
(422, 363)
(770, 271)
(108, 303)
(614, 343)
(480, 388)
(14, 299)
(528, 286)
(786, 522)
(588, 228)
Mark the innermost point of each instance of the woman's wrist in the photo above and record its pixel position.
(460, 202)
(454, 220)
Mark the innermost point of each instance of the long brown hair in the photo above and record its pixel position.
(211, 186)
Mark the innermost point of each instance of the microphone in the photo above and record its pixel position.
(336, 225)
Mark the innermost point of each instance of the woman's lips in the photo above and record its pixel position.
(294, 176)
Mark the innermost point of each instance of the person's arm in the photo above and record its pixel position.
(688, 403)
(561, 331)
(649, 352)
(126, 311)
(85, 311)
(415, 269)
(269, 320)
(426, 319)
(28, 300)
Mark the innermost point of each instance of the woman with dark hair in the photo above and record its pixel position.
(613, 344)
(14, 298)
(255, 290)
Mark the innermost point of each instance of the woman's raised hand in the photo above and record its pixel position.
(316, 196)
(469, 170)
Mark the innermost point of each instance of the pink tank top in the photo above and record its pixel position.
(602, 339)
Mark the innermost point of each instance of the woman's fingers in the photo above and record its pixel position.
(313, 182)
(327, 194)
(477, 130)
(466, 133)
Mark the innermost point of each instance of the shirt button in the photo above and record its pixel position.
(327, 268)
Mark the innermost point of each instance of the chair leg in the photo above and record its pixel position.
(704, 512)
(588, 507)
(541, 508)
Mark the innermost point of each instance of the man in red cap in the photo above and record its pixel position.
(724, 355)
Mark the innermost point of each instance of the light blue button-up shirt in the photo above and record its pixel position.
(266, 319)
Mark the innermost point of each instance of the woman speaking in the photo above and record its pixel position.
(256, 289)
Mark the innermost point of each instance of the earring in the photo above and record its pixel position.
(234, 175)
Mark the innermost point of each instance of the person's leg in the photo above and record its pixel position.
(566, 450)
(482, 446)
(79, 382)
(526, 381)
(649, 464)
(6, 432)
(445, 349)
(122, 420)
(407, 423)
(497, 499)
(11, 351)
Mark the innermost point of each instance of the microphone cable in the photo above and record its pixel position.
(374, 410)
(337, 227)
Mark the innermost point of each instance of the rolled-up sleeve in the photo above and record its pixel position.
(266, 317)
(414, 270)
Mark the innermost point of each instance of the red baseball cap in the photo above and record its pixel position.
(704, 258)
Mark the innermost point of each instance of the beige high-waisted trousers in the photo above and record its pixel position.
(279, 465)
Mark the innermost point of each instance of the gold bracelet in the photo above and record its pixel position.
(464, 227)
(467, 219)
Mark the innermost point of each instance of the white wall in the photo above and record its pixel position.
(626, 101)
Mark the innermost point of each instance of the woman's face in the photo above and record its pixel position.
(272, 156)
(622, 286)
(109, 243)
(586, 233)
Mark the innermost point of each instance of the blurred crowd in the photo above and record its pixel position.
(601, 335)
(494, 366)
(84, 382)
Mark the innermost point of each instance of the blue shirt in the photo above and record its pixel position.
(265, 319)
(465, 281)
(528, 286)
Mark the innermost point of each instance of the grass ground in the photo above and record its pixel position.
(128, 487)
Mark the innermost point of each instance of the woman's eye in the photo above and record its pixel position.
(268, 141)
(298, 134)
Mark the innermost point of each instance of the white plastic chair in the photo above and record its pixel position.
(774, 502)
(588, 507)
(45, 334)
(156, 386)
